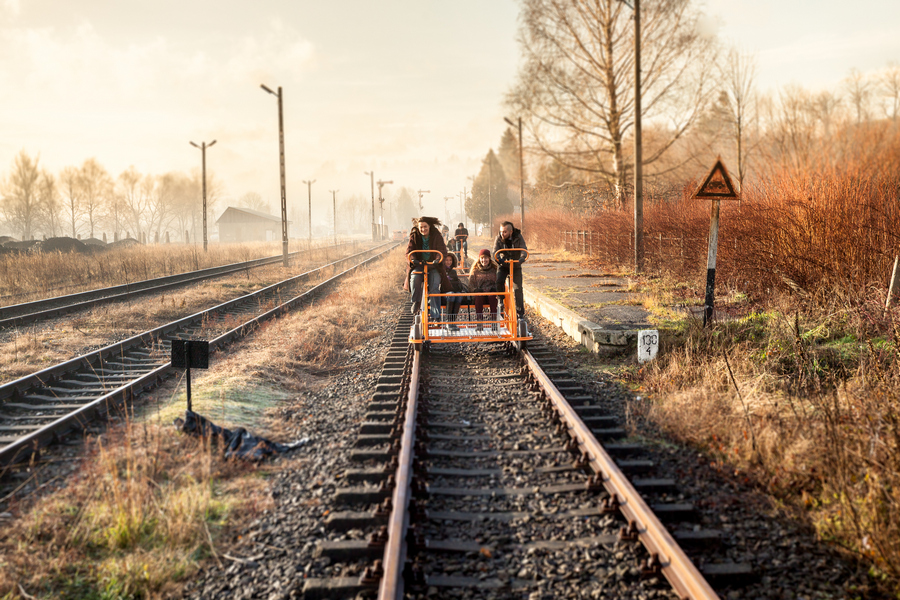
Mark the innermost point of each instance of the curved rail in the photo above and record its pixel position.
(29, 312)
(147, 374)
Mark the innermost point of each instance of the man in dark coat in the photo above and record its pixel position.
(426, 236)
(510, 237)
(462, 240)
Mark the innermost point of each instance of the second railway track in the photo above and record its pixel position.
(39, 408)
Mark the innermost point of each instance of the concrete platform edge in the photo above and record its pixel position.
(587, 333)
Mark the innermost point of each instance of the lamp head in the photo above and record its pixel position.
(267, 89)
(211, 144)
(194, 145)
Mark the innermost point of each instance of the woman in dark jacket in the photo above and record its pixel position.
(426, 236)
(483, 278)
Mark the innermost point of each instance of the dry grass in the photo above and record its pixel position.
(24, 351)
(147, 506)
(24, 278)
(806, 403)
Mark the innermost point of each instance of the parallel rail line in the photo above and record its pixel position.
(16, 315)
(39, 408)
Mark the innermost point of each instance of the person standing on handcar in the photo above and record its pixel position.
(510, 237)
(426, 236)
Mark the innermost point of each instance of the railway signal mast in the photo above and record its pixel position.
(381, 184)
(420, 192)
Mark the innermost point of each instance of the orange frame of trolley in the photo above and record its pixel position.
(507, 327)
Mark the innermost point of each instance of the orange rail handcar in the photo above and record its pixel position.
(504, 327)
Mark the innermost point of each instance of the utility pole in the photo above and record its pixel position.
(334, 212)
(638, 151)
(309, 192)
(284, 232)
(381, 184)
(521, 177)
(461, 213)
(371, 175)
(203, 146)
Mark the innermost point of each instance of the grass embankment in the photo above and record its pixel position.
(28, 277)
(147, 505)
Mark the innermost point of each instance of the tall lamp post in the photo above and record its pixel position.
(371, 175)
(309, 196)
(203, 146)
(334, 212)
(284, 232)
(638, 153)
(381, 184)
(521, 176)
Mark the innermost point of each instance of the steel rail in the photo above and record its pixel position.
(665, 553)
(43, 376)
(29, 312)
(26, 445)
(391, 585)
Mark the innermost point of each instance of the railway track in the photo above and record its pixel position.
(482, 476)
(16, 315)
(43, 407)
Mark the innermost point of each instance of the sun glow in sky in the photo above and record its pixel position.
(409, 88)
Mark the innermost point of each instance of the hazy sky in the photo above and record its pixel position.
(409, 88)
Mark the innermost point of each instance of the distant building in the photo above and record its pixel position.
(245, 225)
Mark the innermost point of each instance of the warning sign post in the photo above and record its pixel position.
(716, 187)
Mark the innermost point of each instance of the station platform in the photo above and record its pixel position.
(599, 310)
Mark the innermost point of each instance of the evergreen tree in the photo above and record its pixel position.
(508, 155)
(407, 209)
(477, 205)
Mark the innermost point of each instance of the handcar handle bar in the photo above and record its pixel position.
(433, 262)
(502, 250)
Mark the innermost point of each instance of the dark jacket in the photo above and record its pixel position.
(461, 231)
(456, 284)
(515, 241)
(483, 279)
(435, 242)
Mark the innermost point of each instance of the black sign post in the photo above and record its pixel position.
(187, 354)
(716, 187)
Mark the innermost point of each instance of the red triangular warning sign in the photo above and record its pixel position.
(718, 184)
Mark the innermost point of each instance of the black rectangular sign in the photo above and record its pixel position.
(199, 353)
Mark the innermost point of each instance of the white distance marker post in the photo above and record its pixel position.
(647, 345)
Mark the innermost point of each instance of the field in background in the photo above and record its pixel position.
(27, 277)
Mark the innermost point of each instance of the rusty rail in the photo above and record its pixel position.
(665, 553)
(391, 586)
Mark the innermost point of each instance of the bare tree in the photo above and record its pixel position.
(20, 203)
(96, 188)
(889, 86)
(859, 94)
(575, 88)
(739, 72)
(49, 203)
(71, 197)
(254, 201)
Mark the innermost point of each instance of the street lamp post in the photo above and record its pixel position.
(334, 212)
(521, 176)
(371, 175)
(381, 184)
(309, 196)
(284, 232)
(203, 146)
